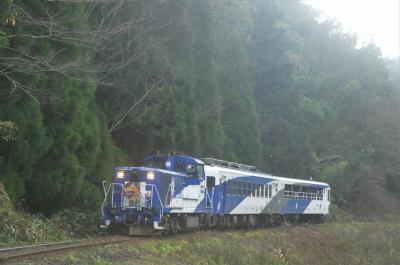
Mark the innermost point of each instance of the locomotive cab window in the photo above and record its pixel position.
(180, 167)
(200, 171)
(191, 170)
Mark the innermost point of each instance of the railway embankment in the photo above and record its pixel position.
(340, 241)
(20, 227)
(332, 243)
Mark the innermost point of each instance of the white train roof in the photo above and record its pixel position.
(264, 175)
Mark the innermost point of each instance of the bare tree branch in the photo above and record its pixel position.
(120, 121)
(98, 39)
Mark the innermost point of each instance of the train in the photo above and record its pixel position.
(174, 192)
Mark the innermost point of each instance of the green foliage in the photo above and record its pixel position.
(258, 82)
(7, 130)
(62, 148)
(17, 226)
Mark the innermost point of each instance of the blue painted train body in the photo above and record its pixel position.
(175, 193)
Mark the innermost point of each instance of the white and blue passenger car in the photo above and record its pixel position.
(172, 193)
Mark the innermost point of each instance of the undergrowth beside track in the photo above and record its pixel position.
(18, 227)
(352, 243)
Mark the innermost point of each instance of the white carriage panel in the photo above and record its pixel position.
(191, 192)
(250, 205)
(317, 207)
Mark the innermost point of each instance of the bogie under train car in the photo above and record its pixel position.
(173, 193)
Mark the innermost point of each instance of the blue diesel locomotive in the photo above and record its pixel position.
(172, 193)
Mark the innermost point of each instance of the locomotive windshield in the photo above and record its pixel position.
(155, 162)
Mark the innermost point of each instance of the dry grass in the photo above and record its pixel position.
(353, 243)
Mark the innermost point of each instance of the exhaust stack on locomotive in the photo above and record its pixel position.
(172, 193)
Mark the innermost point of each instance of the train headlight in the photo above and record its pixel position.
(150, 175)
(120, 174)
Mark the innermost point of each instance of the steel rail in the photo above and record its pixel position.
(23, 252)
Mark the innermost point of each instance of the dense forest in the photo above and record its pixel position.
(85, 86)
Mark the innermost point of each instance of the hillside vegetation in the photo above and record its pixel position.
(87, 85)
(18, 227)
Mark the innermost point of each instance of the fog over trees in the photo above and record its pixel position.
(85, 86)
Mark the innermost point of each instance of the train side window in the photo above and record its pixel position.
(248, 189)
(270, 191)
(242, 189)
(235, 187)
(229, 185)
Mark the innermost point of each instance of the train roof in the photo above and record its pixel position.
(183, 157)
(246, 169)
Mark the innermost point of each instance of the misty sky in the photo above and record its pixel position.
(376, 20)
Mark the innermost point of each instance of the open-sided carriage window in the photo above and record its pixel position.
(288, 187)
(270, 191)
(319, 194)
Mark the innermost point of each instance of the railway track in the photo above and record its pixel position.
(23, 252)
